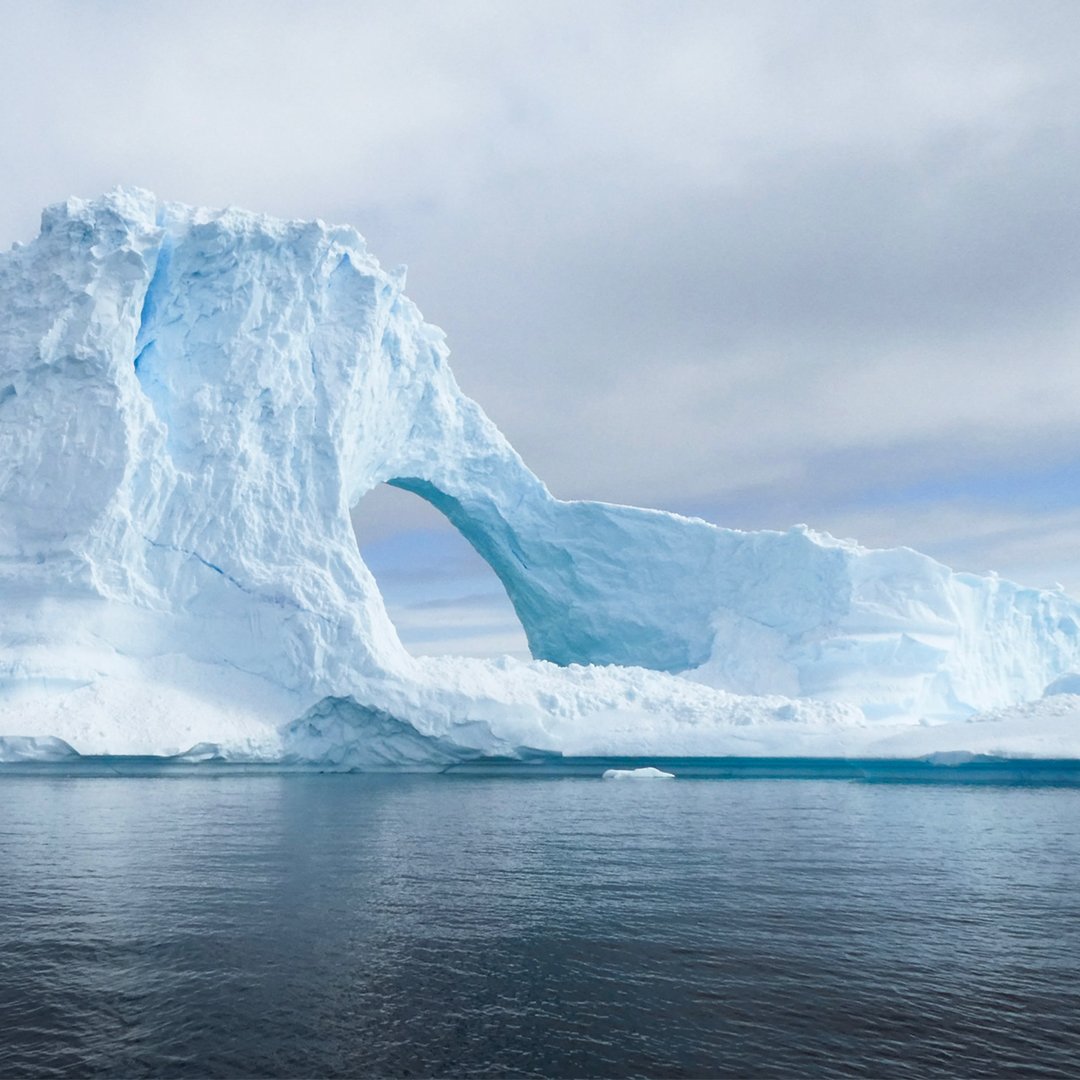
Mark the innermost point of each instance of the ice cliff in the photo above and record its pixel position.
(191, 401)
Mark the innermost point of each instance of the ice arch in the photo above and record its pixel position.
(440, 594)
(581, 576)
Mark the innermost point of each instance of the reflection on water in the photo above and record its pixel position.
(341, 925)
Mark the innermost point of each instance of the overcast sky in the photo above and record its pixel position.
(764, 262)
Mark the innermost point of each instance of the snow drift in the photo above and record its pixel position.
(191, 401)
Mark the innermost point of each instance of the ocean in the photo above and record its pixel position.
(234, 923)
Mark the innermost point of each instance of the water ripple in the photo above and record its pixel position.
(477, 926)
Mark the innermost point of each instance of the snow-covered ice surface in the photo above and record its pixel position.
(191, 401)
(1047, 728)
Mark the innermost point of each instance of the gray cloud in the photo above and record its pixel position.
(770, 262)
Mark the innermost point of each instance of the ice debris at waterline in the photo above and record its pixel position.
(645, 773)
(191, 401)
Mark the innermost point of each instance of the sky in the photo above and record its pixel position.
(762, 262)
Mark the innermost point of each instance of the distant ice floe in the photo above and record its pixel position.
(647, 773)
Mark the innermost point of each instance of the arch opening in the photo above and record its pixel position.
(442, 596)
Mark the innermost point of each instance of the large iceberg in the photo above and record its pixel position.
(191, 402)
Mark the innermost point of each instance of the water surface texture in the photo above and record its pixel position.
(240, 925)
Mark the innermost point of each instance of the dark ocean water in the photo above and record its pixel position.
(306, 925)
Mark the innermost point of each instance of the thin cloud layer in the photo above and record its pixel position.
(769, 262)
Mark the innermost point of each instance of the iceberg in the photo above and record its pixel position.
(191, 402)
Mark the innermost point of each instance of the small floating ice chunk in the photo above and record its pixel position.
(648, 773)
